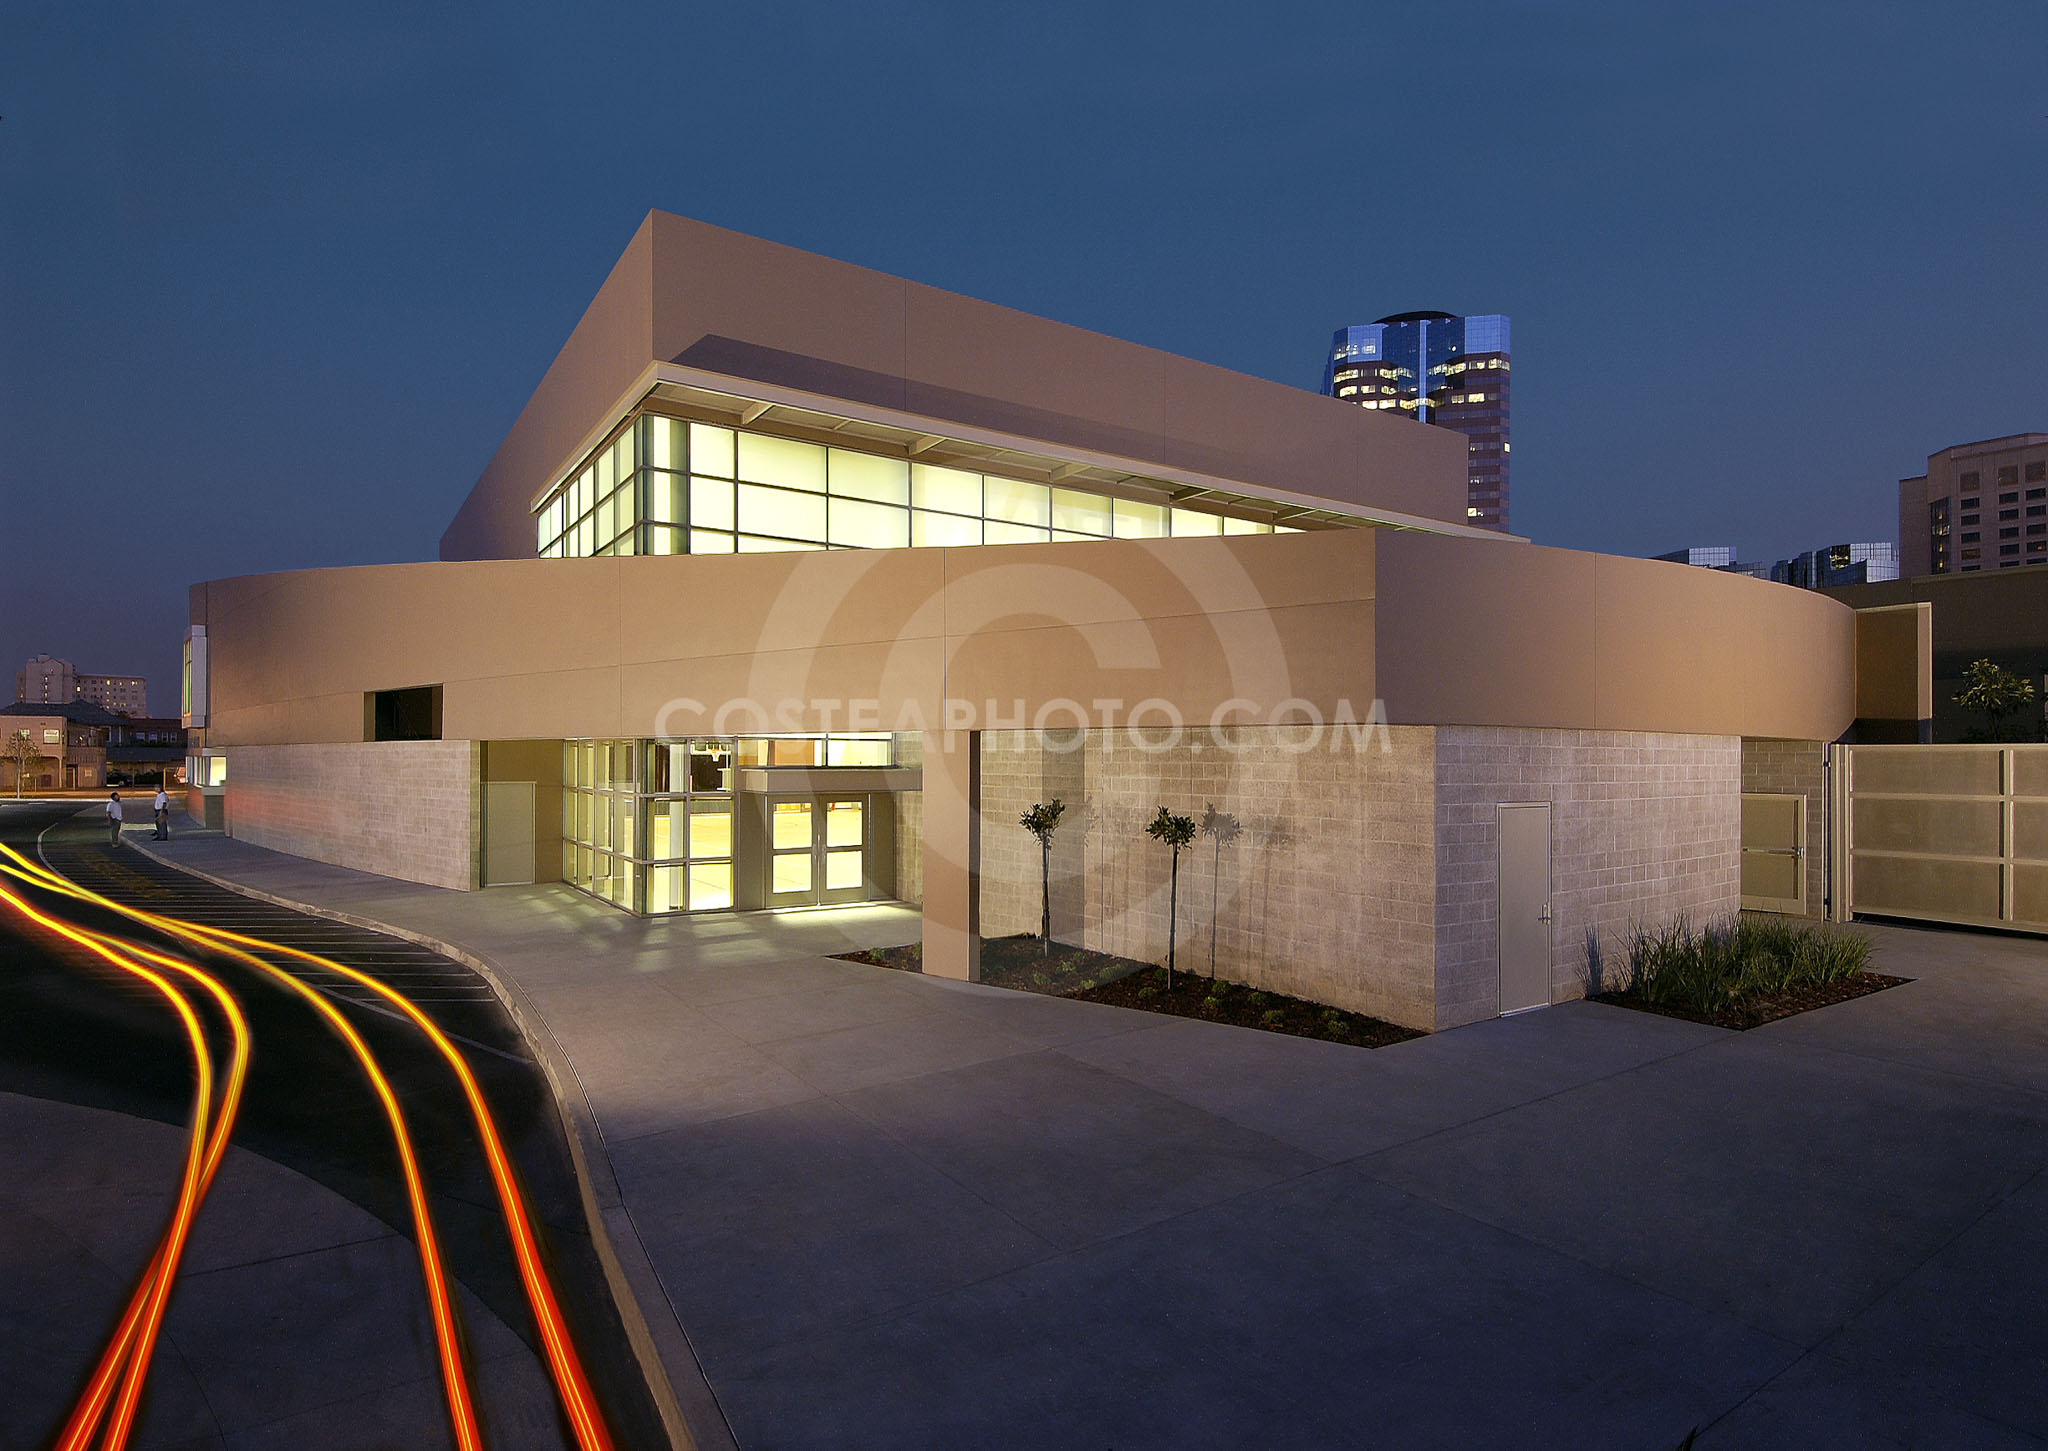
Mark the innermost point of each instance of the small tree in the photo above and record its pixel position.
(1994, 694)
(1042, 820)
(1176, 832)
(23, 753)
(1223, 829)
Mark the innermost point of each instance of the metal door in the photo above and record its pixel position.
(508, 833)
(1773, 852)
(1524, 906)
(817, 851)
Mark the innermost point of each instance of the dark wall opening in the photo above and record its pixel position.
(413, 714)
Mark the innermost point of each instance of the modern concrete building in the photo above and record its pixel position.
(1838, 564)
(1979, 506)
(46, 680)
(1708, 556)
(794, 584)
(1436, 368)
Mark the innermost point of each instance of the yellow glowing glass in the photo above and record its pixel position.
(1138, 521)
(710, 832)
(710, 504)
(942, 531)
(1080, 513)
(1188, 523)
(781, 512)
(951, 490)
(1016, 503)
(997, 532)
(842, 824)
(710, 885)
(864, 476)
(842, 870)
(792, 872)
(858, 524)
(791, 825)
(710, 450)
(782, 461)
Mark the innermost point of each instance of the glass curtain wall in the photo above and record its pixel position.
(649, 826)
(666, 486)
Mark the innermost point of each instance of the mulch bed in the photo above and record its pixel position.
(1758, 1011)
(1242, 1007)
(1098, 977)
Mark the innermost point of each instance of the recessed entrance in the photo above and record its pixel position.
(817, 851)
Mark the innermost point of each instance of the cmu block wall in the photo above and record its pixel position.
(910, 823)
(404, 809)
(1329, 894)
(1796, 768)
(1643, 828)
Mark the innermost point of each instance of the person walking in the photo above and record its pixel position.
(114, 815)
(163, 815)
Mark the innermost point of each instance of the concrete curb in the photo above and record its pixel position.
(689, 1408)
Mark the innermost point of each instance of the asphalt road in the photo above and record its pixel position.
(75, 1030)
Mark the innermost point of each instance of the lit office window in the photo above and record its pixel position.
(665, 486)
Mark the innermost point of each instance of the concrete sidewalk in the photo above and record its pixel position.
(898, 1211)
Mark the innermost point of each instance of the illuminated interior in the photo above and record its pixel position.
(657, 826)
(666, 485)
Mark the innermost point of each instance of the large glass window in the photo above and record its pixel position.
(661, 485)
(649, 825)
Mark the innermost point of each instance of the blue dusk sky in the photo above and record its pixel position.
(275, 279)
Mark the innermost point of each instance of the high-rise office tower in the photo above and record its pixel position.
(1979, 506)
(1442, 369)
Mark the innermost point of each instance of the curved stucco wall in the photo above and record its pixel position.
(1484, 632)
(1447, 631)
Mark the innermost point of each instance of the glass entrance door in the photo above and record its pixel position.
(817, 849)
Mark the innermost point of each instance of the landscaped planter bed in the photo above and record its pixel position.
(1741, 972)
(1757, 1012)
(1099, 977)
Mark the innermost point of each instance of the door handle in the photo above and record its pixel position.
(1544, 915)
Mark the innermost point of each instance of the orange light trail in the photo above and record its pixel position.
(134, 1339)
(461, 1403)
(572, 1385)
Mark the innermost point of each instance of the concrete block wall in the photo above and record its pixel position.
(404, 809)
(909, 846)
(1328, 895)
(1644, 828)
(1796, 768)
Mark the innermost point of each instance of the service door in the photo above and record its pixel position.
(1524, 906)
(508, 832)
(1773, 852)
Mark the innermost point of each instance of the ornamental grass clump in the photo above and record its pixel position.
(1729, 963)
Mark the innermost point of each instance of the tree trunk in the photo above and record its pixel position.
(1044, 898)
(1172, 910)
(1215, 879)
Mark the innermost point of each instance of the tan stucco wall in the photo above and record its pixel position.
(1484, 632)
(1468, 632)
(707, 298)
(404, 809)
(1895, 662)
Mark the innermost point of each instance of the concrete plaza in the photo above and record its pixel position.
(885, 1210)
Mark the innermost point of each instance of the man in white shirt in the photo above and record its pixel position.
(114, 815)
(163, 814)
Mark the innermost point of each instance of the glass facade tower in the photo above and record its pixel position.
(1442, 369)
